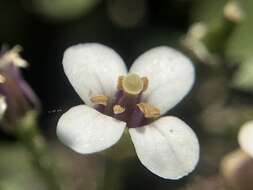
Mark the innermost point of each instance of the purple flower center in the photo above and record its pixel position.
(126, 105)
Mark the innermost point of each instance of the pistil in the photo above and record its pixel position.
(127, 105)
(132, 84)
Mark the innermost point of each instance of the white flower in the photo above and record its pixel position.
(3, 106)
(156, 82)
(245, 138)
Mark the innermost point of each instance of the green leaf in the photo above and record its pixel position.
(16, 170)
(62, 9)
(243, 79)
(241, 42)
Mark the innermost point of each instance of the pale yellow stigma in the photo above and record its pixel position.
(99, 100)
(148, 110)
(118, 109)
(132, 84)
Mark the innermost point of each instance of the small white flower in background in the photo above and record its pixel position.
(245, 138)
(13, 56)
(116, 99)
(3, 106)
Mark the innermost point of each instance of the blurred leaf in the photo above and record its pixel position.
(62, 9)
(237, 170)
(77, 171)
(208, 11)
(243, 79)
(16, 170)
(241, 43)
(212, 119)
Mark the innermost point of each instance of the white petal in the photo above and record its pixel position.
(93, 69)
(3, 106)
(167, 147)
(85, 130)
(245, 138)
(170, 73)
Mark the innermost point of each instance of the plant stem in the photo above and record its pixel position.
(112, 176)
(29, 135)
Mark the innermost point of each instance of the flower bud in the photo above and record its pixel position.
(237, 169)
(18, 95)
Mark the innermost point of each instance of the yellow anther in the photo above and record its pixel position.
(148, 110)
(101, 99)
(118, 109)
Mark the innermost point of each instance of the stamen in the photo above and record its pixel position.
(132, 84)
(99, 100)
(145, 83)
(137, 119)
(118, 109)
(119, 84)
(148, 110)
(126, 105)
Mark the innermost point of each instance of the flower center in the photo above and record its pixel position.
(127, 104)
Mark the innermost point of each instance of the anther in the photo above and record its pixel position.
(99, 100)
(118, 109)
(148, 110)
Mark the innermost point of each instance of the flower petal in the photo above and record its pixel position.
(85, 130)
(93, 69)
(170, 74)
(3, 106)
(167, 147)
(245, 138)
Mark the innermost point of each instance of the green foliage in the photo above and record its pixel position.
(16, 170)
(62, 9)
(243, 79)
(237, 45)
(241, 43)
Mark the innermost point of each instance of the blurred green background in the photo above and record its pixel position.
(220, 102)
